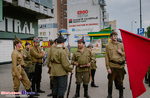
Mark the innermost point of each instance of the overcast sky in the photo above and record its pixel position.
(126, 11)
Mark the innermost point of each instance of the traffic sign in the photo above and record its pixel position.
(140, 31)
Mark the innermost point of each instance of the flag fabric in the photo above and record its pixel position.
(137, 52)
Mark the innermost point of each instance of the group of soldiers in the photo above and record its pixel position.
(27, 66)
(57, 60)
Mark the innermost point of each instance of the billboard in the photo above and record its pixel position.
(82, 17)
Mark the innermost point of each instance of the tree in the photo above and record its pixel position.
(148, 32)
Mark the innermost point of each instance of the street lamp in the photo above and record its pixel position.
(132, 25)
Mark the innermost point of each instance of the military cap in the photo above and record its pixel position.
(81, 40)
(36, 39)
(113, 33)
(90, 45)
(17, 40)
(61, 39)
(27, 43)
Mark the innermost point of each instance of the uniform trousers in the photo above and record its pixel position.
(25, 81)
(93, 74)
(118, 74)
(37, 74)
(82, 77)
(60, 85)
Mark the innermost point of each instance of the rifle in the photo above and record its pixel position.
(69, 84)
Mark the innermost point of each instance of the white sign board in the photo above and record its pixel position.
(81, 19)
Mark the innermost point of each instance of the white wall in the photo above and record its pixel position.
(73, 6)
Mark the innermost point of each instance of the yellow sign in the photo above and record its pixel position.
(24, 41)
(45, 43)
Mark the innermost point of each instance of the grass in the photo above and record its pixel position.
(46, 49)
(73, 49)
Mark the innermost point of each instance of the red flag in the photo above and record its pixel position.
(137, 51)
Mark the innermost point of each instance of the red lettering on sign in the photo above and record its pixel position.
(82, 12)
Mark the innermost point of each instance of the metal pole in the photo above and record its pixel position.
(140, 16)
(131, 26)
(1, 10)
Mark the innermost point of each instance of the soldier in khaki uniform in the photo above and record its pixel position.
(82, 59)
(27, 58)
(49, 64)
(18, 66)
(115, 62)
(36, 57)
(93, 67)
(59, 68)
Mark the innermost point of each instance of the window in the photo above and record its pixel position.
(41, 33)
(49, 33)
(44, 33)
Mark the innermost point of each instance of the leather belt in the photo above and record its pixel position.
(120, 63)
(55, 62)
(82, 66)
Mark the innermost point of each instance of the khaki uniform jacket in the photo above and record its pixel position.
(27, 60)
(82, 59)
(36, 55)
(67, 51)
(17, 59)
(93, 65)
(112, 54)
(49, 56)
(60, 62)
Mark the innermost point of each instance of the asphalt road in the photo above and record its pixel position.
(6, 83)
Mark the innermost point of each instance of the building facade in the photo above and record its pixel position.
(113, 25)
(20, 18)
(48, 28)
(84, 16)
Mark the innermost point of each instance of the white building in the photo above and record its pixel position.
(84, 16)
(47, 28)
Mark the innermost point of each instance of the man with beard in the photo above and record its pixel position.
(27, 58)
(36, 57)
(82, 59)
(115, 62)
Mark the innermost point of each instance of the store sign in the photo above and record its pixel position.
(82, 13)
(15, 25)
(82, 29)
(82, 19)
(46, 44)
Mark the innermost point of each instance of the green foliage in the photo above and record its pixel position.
(148, 32)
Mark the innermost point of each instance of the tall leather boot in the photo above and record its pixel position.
(30, 95)
(149, 79)
(109, 91)
(146, 80)
(86, 91)
(77, 91)
(121, 92)
(54, 96)
(38, 88)
(33, 90)
(17, 95)
(93, 84)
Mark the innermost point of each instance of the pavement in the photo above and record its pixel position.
(6, 83)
